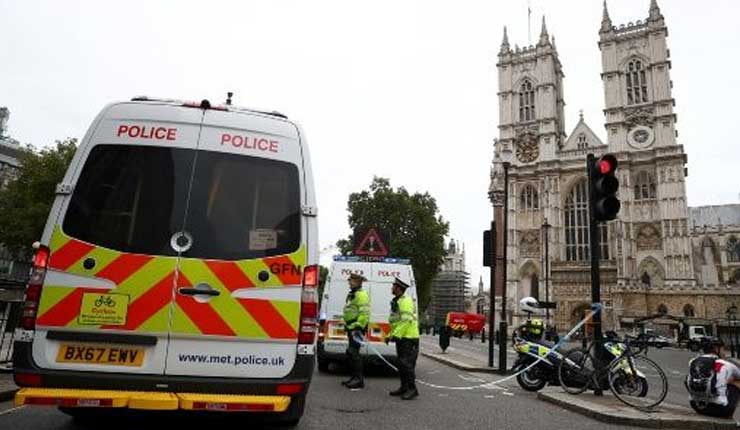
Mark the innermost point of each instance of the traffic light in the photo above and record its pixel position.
(604, 186)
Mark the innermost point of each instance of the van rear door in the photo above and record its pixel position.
(105, 302)
(237, 302)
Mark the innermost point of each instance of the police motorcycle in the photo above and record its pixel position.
(530, 347)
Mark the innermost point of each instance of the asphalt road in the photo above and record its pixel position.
(330, 406)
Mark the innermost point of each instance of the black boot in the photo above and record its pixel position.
(355, 384)
(348, 381)
(398, 392)
(410, 394)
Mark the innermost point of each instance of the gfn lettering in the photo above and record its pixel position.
(145, 132)
(285, 268)
(249, 142)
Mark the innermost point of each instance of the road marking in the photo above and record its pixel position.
(489, 397)
(471, 378)
(506, 393)
(443, 395)
(432, 372)
(9, 411)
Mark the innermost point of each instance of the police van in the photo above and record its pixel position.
(178, 267)
(332, 343)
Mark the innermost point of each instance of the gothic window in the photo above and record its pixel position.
(636, 83)
(645, 186)
(526, 101)
(663, 309)
(735, 278)
(733, 250)
(529, 198)
(535, 286)
(576, 226)
(582, 142)
(688, 311)
(646, 282)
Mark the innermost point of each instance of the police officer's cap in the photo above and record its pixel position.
(357, 277)
(400, 283)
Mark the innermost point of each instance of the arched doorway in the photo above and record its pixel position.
(577, 315)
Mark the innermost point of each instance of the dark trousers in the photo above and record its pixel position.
(408, 351)
(353, 354)
(727, 411)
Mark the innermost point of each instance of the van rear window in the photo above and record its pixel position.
(134, 199)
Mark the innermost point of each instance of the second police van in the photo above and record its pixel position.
(332, 342)
(178, 267)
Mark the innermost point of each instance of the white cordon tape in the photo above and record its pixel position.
(596, 309)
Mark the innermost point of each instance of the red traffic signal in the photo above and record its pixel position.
(607, 164)
(604, 187)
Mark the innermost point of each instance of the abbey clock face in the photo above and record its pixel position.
(640, 137)
(527, 150)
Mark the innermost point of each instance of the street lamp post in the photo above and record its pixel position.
(546, 226)
(731, 318)
(503, 331)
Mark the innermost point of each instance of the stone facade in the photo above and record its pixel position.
(649, 254)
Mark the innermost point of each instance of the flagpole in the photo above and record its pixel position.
(529, 23)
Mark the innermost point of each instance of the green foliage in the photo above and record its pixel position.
(411, 223)
(323, 273)
(26, 201)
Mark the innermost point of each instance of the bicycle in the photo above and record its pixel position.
(633, 378)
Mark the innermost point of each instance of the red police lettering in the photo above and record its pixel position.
(247, 142)
(144, 132)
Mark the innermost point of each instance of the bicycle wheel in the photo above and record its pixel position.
(638, 381)
(575, 371)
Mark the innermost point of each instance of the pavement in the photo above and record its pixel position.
(674, 412)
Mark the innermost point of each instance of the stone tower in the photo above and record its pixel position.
(531, 118)
(653, 244)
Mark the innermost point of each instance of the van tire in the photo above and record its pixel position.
(292, 416)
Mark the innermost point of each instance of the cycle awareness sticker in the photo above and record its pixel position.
(103, 309)
(596, 308)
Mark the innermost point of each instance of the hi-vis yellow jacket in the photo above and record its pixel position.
(403, 319)
(357, 310)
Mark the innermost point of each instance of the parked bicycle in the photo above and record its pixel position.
(632, 377)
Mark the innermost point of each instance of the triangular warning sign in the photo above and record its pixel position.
(372, 245)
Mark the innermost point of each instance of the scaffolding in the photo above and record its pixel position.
(449, 291)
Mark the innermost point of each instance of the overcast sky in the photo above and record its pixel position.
(399, 89)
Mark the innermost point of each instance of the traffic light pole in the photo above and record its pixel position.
(492, 296)
(594, 236)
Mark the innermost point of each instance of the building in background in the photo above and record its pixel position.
(11, 270)
(10, 151)
(450, 289)
(658, 257)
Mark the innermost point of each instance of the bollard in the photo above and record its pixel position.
(483, 336)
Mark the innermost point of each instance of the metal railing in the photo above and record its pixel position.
(10, 315)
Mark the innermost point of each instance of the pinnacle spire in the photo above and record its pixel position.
(505, 43)
(655, 14)
(606, 21)
(544, 37)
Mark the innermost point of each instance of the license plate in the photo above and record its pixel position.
(116, 356)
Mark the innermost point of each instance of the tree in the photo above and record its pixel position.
(26, 200)
(323, 273)
(411, 223)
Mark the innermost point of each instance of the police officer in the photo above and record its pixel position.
(405, 333)
(356, 317)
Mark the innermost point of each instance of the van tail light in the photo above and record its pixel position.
(309, 306)
(27, 379)
(289, 389)
(33, 290)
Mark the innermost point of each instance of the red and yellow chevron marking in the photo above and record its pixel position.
(149, 282)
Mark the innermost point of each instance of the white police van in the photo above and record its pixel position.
(178, 267)
(332, 343)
